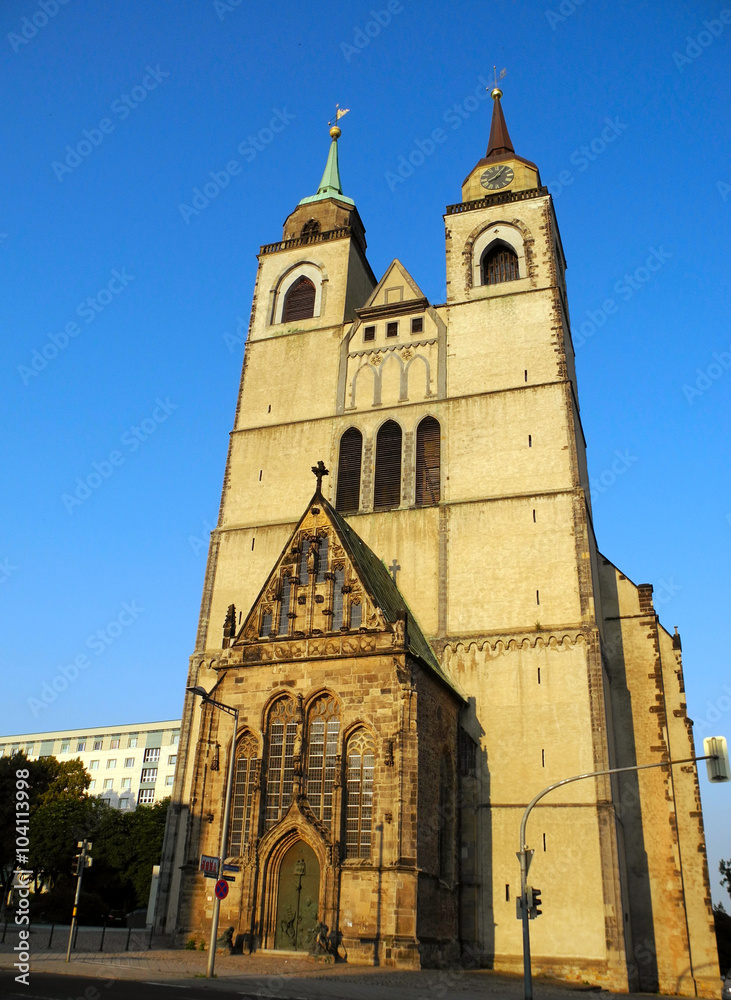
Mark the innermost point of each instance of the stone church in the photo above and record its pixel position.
(424, 635)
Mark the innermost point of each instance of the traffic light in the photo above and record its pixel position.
(718, 765)
(534, 901)
(82, 860)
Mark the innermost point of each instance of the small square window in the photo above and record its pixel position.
(172, 758)
(152, 754)
(174, 739)
(369, 333)
(114, 744)
(97, 744)
(64, 748)
(146, 795)
(81, 746)
(129, 762)
(417, 324)
(126, 782)
(93, 765)
(169, 779)
(92, 784)
(392, 329)
(111, 764)
(108, 783)
(132, 742)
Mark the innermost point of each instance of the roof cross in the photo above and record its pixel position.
(320, 471)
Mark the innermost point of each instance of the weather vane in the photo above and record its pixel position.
(502, 74)
(339, 112)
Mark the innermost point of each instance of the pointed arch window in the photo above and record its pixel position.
(499, 263)
(338, 600)
(349, 465)
(246, 775)
(359, 795)
(322, 759)
(428, 462)
(387, 488)
(282, 733)
(300, 301)
(311, 228)
(284, 605)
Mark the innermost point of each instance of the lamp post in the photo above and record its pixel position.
(203, 694)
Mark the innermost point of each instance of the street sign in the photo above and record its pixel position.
(221, 889)
(229, 878)
(232, 868)
(210, 875)
(209, 865)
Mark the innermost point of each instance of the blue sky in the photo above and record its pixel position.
(120, 311)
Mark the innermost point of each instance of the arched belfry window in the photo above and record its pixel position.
(300, 301)
(282, 734)
(322, 750)
(427, 462)
(311, 228)
(499, 263)
(247, 771)
(359, 795)
(349, 465)
(387, 487)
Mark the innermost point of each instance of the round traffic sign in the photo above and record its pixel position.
(221, 889)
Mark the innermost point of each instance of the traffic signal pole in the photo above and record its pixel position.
(717, 772)
(82, 862)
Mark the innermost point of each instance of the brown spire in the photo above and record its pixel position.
(499, 143)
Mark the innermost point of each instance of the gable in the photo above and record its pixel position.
(395, 287)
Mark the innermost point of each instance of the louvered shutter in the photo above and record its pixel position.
(300, 301)
(500, 263)
(427, 462)
(349, 462)
(387, 491)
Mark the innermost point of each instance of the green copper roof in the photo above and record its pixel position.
(330, 183)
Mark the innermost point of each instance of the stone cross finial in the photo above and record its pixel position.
(320, 471)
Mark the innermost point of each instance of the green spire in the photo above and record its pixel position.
(330, 184)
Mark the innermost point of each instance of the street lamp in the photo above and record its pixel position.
(205, 697)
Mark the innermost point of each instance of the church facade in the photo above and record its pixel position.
(432, 636)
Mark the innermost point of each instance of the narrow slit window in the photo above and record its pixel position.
(534, 516)
(284, 606)
(543, 758)
(526, 375)
(530, 441)
(538, 597)
(544, 841)
(338, 584)
(539, 675)
(507, 892)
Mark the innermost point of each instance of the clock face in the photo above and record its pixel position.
(497, 177)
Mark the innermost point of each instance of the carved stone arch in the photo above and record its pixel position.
(375, 399)
(427, 373)
(513, 232)
(273, 849)
(402, 387)
(305, 267)
(321, 692)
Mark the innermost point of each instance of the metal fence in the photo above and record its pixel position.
(55, 937)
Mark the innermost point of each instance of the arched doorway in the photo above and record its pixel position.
(298, 897)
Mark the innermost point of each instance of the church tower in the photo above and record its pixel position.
(436, 616)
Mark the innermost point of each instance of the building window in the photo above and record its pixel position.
(311, 228)
(169, 779)
(108, 783)
(131, 743)
(338, 602)
(145, 796)
(369, 333)
(29, 750)
(174, 739)
(126, 782)
(499, 263)
(392, 329)
(280, 769)
(114, 744)
(247, 771)
(81, 746)
(387, 489)
(349, 465)
(92, 784)
(300, 301)
(417, 324)
(111, 764)
(359, 795)
(427, 461)
(93, 765)
(148, 774)
(129, 762)
(266, 622)
(322, 744)
(64, 748)
(172, 758)
(151, 755)
(284, 606)
(97, 744)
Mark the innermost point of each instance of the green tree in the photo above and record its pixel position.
(725, 869)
